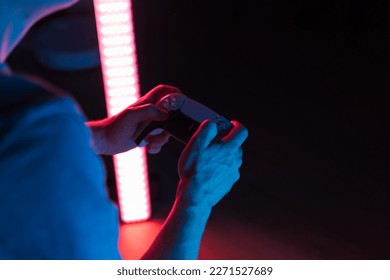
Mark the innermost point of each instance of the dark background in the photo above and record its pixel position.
(309, 79)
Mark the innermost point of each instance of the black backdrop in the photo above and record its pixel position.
(310, 80)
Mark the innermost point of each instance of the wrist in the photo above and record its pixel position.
(97, 136)
(196, 215)
(190, 198)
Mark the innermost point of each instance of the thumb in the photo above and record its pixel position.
(205, 134)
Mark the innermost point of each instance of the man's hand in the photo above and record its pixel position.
(208, 169)
(115, 134)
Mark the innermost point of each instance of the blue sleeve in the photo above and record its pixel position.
(53, 199)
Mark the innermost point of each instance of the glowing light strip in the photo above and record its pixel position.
(119, 66)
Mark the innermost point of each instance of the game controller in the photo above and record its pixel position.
(185, 116)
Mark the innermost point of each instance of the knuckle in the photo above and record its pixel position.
(236, 175)
(167, 88)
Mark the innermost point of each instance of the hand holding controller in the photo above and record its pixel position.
(185, 116)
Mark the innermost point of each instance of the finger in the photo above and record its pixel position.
(145, 112)
(155, 94)
(237, 135)
(239, 157)
(153, 150)
(156, 142)
(205, 133)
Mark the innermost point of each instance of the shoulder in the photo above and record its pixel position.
(52, 187)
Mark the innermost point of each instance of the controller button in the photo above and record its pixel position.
(166, 104)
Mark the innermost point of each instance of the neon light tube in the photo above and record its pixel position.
(114, 24)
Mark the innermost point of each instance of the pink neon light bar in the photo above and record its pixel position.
(114, 24)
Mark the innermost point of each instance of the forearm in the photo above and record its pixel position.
(181, 234)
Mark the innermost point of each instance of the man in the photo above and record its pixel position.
(53, 200)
